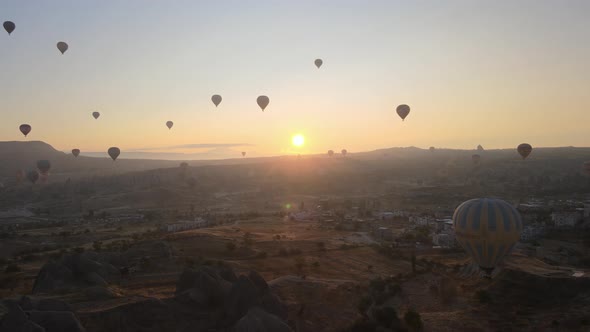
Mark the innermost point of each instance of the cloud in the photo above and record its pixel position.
(196, 146)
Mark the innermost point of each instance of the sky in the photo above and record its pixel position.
(495, 73)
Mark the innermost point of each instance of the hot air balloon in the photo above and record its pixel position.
(488, 229)
(95, 115)
(403, 110)
(25, 129)
(318, 63)
(114, 152)
(9, 26)
(476, 159)
(262, 101)
(33, 176)
(76, 152)
(344, 152)
(216, 99)
(44, 166)
(330, 153)
(479, 148)
(243, 153)
(169, 124)
(62, 47)
(524, 150)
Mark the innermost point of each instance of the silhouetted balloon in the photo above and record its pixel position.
(488, 229)
(344, 152)
(243, 153)
(62, 47)
(114, 152)
(318, 63)
(44, 166)
(403, 110)
(25, 129)
(96, 115)
(431, 149)
(33, 176)
(216, 99)
(476, 159)
(524, 150)
(76, 152)
(262, 101)
(479, 148)
(330, 153)
(9, 26)
(169, 124)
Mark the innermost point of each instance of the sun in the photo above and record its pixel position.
(298, 140)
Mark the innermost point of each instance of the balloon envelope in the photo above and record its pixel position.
(216, 99)
(76, 152)
(33, 176)
(403, 110)
(479, 148)
(524, 150)
(25, 129)
(95, 115)
(62, 47)
(114, 152)
(44, 166)
(169, 124)
(344, 152)
(9, 26)
(262, 101)
(243, 153)
(318, 62)
(488, 229)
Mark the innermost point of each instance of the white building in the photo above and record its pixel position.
(422, 220)
(566, 219)
(443, 240)
(384, 233)
(186, 225)
(532, 232)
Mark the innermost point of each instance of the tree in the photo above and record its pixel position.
(12, 268)
(300, 263)
(413, 320)
(97, 245)
(230, 246)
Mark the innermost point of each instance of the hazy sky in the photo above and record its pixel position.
(496, 73)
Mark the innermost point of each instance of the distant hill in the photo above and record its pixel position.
(15, 156)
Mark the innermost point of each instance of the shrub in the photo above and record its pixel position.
(364, 304)
(230, 246)
(12, 268)
(363, 325)
(385, 316)
(483, 296)
(413, 320)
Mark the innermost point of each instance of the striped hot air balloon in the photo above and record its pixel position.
(488, 229)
